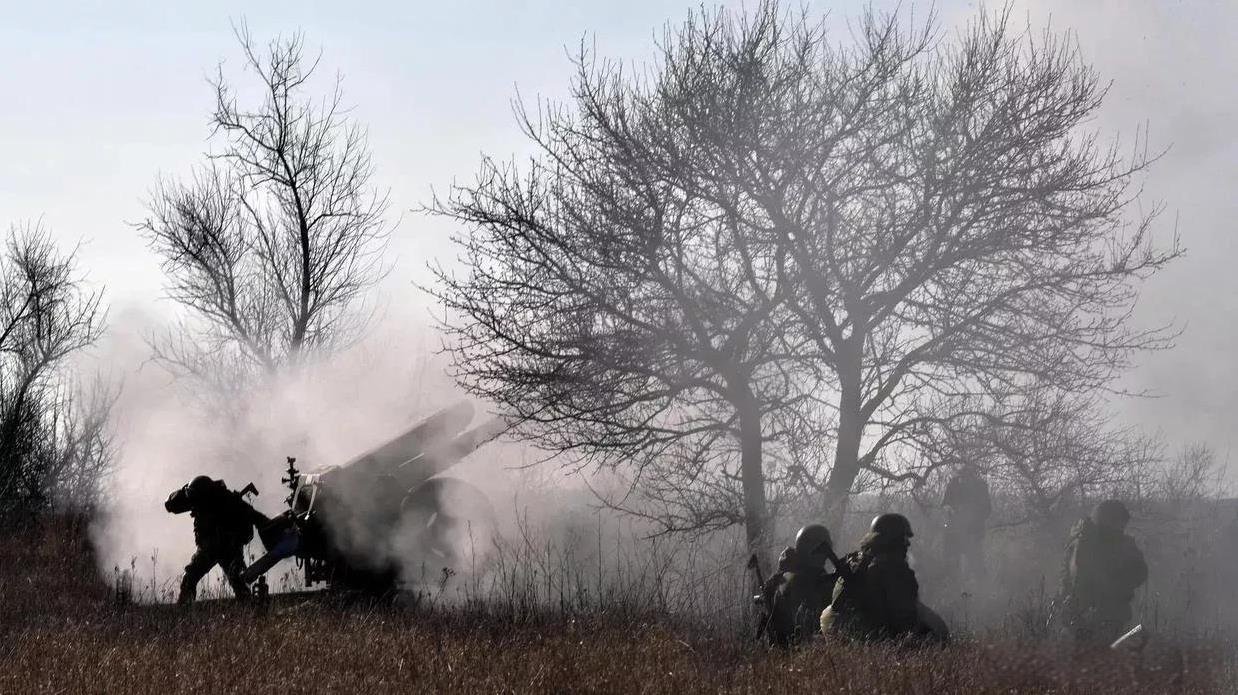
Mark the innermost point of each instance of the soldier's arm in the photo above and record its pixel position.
(1083, 566)
(786, 559)
(257, 518)
(1074, 586)
(788, 600)
(776, 616)
(842, 566)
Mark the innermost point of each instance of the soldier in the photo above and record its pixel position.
(878, 596)
(968, 505)
(797, 593)
(1103, 568)
(223, 522)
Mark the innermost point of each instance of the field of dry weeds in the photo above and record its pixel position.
(62, 632)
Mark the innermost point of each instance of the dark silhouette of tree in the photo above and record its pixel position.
(615, 304)
(1049, 451)
(54, 445)
(767, 241)
(273, 241)
(953, 231)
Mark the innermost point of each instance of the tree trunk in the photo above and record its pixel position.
(752, 476)
(847, 448)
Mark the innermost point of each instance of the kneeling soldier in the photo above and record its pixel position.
(223, 522)
(797, 593)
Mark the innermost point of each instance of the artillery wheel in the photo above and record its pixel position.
(445, 523)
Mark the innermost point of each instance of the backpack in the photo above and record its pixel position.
(227, 514)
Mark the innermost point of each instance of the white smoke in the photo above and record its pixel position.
(324, 414)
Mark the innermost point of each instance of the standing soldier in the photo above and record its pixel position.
(878, 596)
(797, 593)
(223, 522)
(968, 505)
(1103, 568)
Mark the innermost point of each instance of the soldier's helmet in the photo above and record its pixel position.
(199, 486)
(1112, 514)
(813, 539)
(891, 525)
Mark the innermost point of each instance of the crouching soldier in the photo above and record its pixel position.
(1103, 568)
(877, 595)
(797, 593)
(223, 523)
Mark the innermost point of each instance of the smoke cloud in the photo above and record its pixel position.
(324, 414)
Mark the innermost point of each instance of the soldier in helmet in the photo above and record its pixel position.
(223, 522)
(797, 593)
(1103, 568)
(877, 595)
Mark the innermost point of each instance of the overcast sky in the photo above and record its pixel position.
(101, 97)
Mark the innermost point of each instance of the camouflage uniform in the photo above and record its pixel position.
(797, 593)
(877, 596)
(968, 500)
(1103, 568)
(223, 523)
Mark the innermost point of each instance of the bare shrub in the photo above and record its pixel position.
(55, 449)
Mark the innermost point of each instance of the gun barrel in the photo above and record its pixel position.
(387, 458)
(439, 458)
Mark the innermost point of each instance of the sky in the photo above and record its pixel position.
(100, 98)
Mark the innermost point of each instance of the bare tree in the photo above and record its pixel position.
(77, 443)
(53, 445)
(273, 241)
(1051, 451)
(954, 232)
(614, 301)
(768, 237)
(1193, 474)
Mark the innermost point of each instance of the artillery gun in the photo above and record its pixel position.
(363, 524)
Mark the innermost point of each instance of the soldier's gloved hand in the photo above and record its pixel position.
(786, 560)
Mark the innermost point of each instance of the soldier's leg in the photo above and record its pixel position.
(952, 554)
(1111, 624)
(232, 562)
(1089, 632)
(201, 563)
(975, 556)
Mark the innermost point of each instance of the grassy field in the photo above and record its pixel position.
(62, 632)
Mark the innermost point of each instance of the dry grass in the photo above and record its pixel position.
(62, 632)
